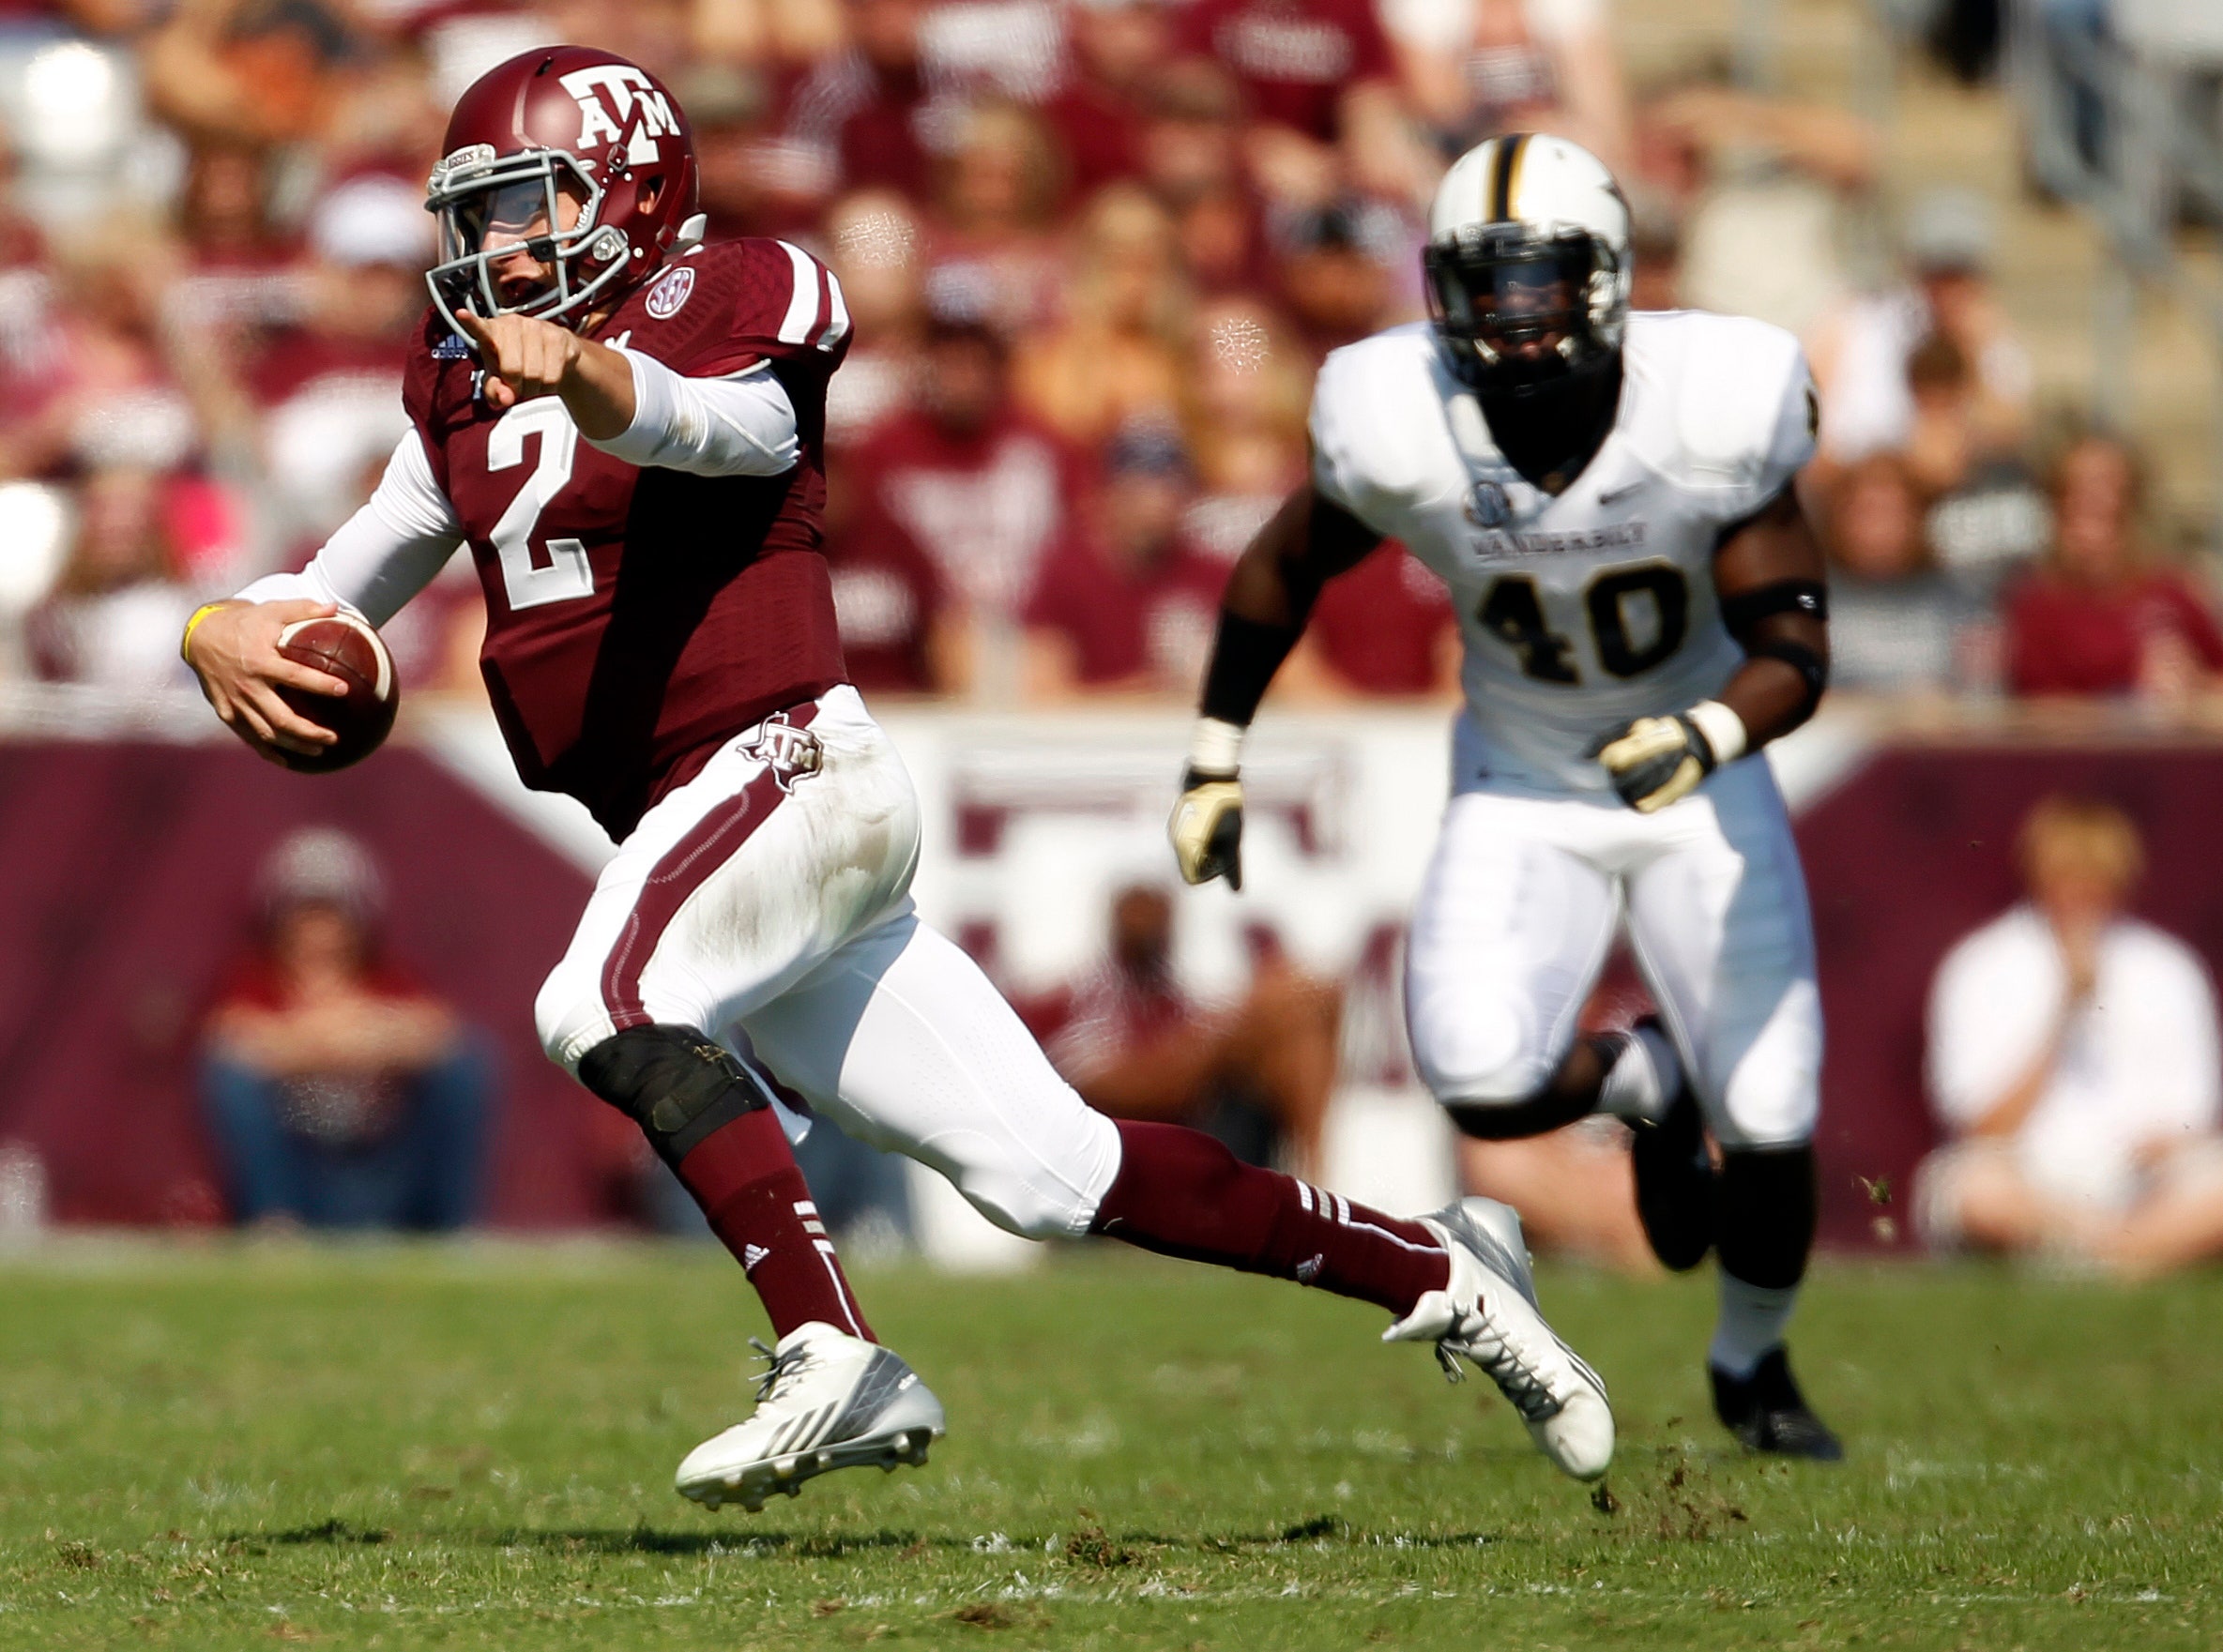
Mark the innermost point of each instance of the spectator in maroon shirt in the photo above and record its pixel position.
(891, 601)
(1127, 605)
(1100, 111)
(1385, 628)
(1192, 161)
(341, 1094)
(993, 229)
(1318, 81)
(863, 113)
(240, 278)
(2098, 619)
(1259, 1073)
(978, 486)
(1333, 279)
(757, 178)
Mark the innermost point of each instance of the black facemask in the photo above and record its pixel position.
(1513, 307)
(1512, 310)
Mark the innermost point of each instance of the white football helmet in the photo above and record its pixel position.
(1527, 262)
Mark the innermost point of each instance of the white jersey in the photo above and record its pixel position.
(1588, 609)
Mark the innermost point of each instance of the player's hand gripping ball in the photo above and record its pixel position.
(348, 649)
(1655, 761)
(1206, 829)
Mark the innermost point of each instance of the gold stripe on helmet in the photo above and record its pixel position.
(1505, 160)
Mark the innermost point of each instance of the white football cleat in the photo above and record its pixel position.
(827, 1400)
(1487, 1313)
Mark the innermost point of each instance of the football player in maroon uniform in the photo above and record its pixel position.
(624, 425)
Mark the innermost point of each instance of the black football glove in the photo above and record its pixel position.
(1206, 829)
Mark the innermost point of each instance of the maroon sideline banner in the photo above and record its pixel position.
(126, 866)
(126, 876)
(1912, 852)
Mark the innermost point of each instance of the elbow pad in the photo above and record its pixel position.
(1801, 658)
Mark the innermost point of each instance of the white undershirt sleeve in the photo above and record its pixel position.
(740, 426)
(386, 552)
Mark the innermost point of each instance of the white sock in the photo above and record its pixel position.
(1643, 1079)
(1752, 1321)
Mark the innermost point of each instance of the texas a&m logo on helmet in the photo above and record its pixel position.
(568, 177)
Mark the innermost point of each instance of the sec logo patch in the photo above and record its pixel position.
(1487, 505)
(672, 289)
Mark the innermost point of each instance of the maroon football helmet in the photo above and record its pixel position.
(559, 128)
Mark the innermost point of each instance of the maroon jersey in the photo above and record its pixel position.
(637, 619)
(1124, 623)
(1294, 58)
(1380, 626)
(888, 596)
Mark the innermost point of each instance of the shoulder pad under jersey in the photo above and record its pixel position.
(1381, 445)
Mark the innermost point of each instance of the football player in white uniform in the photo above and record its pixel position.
(1610, 498)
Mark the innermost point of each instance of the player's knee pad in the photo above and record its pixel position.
(673, 1082)
(1523, 1098)
(1482, 1068)
(1518, 1120)
(1766, 1211)
(1766, 1112)
(1762, 1088)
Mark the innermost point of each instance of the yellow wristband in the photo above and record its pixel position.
(185, 644)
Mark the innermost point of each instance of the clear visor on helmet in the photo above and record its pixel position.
(528, 214)
(518, 235)
(1514, 292)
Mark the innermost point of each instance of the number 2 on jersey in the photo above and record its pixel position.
(1512, 612)
(561, 572)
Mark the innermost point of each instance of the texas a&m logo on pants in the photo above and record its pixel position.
(786, 751)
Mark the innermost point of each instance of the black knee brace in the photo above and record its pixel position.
(1520, 1119)
(1766, 1215)
(1570, 1094)
(674, 1083)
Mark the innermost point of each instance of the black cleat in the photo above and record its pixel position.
(1767, 1413)
(1675, 1184)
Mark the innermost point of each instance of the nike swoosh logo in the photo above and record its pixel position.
(1614, 495)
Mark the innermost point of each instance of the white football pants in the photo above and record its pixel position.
(766, 901)
(1519, 910)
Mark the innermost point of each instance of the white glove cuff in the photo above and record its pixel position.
(1216, 748)
(1723, 728)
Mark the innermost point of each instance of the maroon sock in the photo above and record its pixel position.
(1181, 1193)
(744, 1177)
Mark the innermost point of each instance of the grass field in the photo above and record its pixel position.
(469, 1447)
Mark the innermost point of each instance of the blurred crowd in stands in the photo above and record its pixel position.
(1094, 250)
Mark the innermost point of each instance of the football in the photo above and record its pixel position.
(348, 649)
